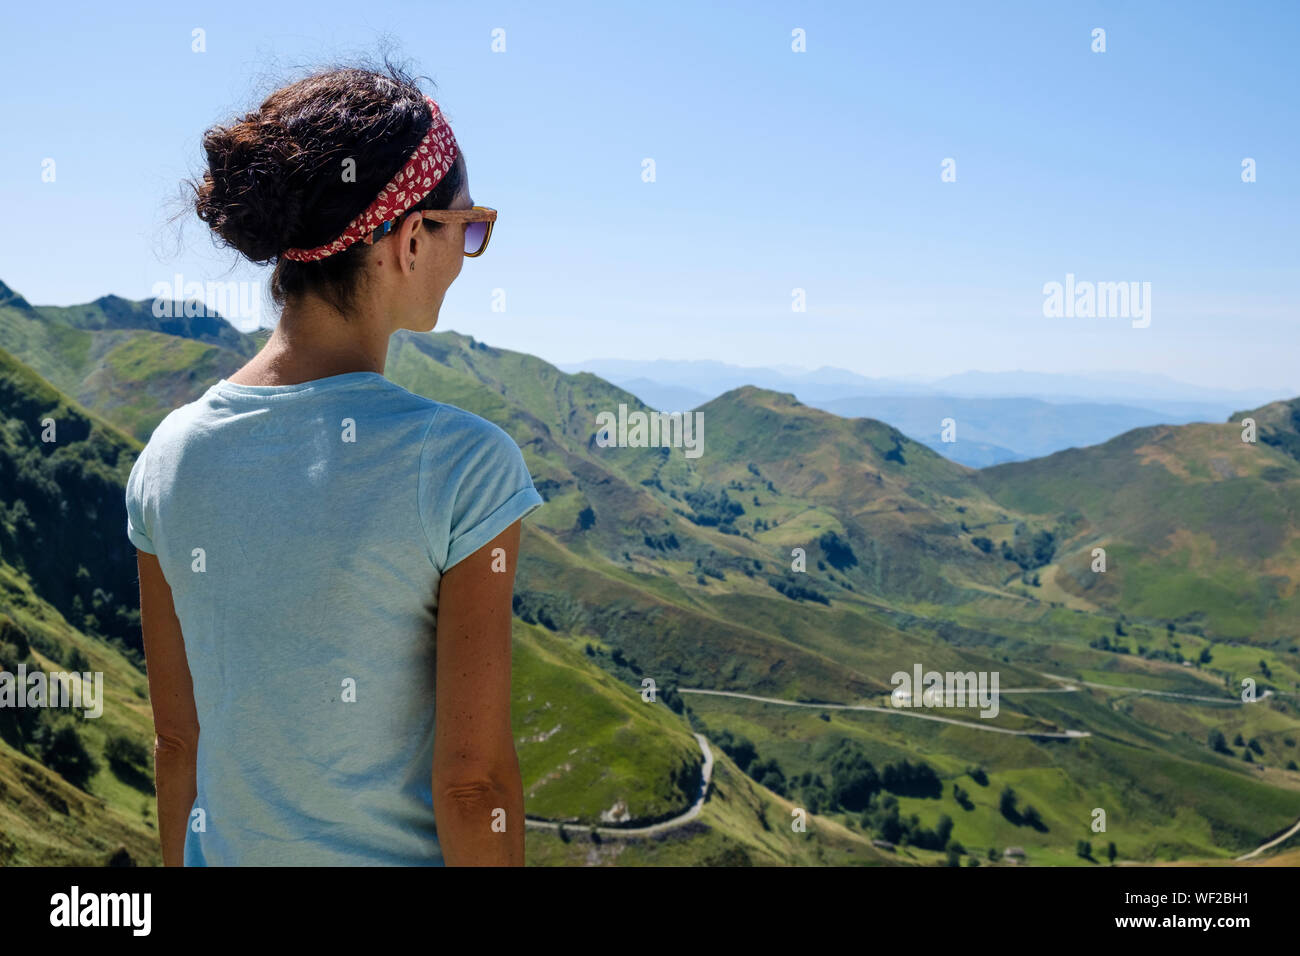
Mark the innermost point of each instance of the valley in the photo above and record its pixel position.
(1120, 689)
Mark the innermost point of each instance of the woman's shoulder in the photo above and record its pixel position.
(455, 427)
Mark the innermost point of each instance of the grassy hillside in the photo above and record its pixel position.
(1199, 527)
(73, 790)
(117, 357)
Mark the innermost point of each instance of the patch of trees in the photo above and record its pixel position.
(911, 779)
(62, 510)
(662, 542)
(713, 511)
(883, 818)
(1285, 439)
(708, 570)
(1030, 551)
(1103, 643)
(49, 736)
(796, 591)
(838, 551)
(1019, 816)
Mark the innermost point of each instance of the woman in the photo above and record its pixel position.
(312, 537)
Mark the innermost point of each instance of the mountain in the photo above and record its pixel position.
(1001, 417)
(1108, 387)
(73, 790)
(118, 357)
(800, 562)
(990, 431)
(713, 378)
(1199, 527)
(666, 398)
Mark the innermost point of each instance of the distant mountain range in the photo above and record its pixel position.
(998, 416)
(804, 558)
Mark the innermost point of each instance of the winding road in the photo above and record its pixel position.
(1271, 843)
(899, 711)
(707, 774)
(671, 824)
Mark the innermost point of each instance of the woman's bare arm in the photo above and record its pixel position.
(478, 796)
(175, 720)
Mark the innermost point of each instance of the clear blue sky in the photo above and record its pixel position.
(776, 170)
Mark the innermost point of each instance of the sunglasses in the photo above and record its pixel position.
(478, 222)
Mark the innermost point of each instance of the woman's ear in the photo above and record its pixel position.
(408, 239)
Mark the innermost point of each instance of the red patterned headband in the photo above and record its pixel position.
(423, 171)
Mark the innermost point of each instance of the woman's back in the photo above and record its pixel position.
(303, 530)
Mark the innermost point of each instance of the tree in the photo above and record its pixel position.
(1218, 742)
(853, 778)
(1111, 851)
(1007, 803)
(126, 753)
(1084, 849)
(63, 752)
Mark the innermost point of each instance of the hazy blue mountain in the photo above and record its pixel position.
(666, 398)
(712, 378)
(994, 430)
(1002, 416)
(1113, 387)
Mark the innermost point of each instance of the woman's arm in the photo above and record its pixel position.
(475, 768)
(175, 720)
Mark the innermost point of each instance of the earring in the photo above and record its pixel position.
(412, 266)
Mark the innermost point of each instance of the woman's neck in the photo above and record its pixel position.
(313, 341)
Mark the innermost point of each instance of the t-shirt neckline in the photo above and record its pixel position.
(236, 389)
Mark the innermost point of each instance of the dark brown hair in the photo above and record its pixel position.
(275, 178)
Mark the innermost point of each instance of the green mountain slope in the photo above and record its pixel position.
(1198, 526)
(73, 790)
(115, 356)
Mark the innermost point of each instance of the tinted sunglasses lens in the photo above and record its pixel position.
(475, 234)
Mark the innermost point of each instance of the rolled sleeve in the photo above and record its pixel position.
(475, 484)
(136, 526)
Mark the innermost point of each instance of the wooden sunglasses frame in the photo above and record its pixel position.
(473, 214)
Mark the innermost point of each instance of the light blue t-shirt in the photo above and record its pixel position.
(303, 530)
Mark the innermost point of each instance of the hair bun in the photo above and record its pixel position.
(247, 196)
